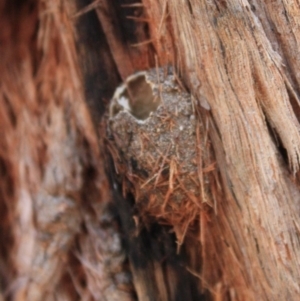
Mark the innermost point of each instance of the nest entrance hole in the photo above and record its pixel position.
(137, 96)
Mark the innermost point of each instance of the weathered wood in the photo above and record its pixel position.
(52, 187)
(234, 57)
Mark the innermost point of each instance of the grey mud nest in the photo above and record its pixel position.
(155, 142)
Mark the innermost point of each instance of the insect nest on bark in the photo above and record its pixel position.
(153, 138)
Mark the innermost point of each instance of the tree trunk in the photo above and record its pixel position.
(72, 224)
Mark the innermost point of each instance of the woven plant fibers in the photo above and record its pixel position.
(153, 134)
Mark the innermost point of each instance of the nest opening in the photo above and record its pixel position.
(136, 96)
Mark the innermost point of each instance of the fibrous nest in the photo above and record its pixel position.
(155, 143)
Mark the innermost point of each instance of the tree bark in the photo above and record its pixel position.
(60, 65)
(235, 60)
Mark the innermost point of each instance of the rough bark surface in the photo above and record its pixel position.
(53, 191)
(240, 60)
